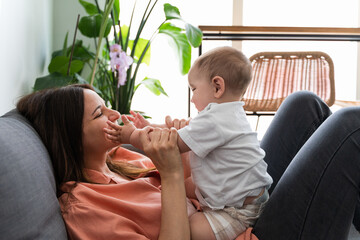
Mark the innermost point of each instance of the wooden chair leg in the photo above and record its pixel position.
(257, 122)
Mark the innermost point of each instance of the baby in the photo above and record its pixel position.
(227, 166)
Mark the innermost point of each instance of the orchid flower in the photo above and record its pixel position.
(120, 63)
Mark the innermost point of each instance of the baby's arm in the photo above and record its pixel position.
(182, 145)
(140, 122)
(127, 133)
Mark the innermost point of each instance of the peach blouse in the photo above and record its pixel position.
(114, 208)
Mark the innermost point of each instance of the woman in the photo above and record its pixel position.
(99, 199)
(102, 198)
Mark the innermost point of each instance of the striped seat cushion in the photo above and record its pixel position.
(278, 74)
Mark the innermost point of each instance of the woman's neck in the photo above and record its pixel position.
(97, 162)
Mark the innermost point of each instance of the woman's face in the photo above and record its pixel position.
(94, 121)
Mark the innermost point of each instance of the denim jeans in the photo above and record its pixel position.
(314, 159)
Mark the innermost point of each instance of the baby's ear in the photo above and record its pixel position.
(218, 86)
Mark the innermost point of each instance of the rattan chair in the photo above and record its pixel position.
(278, 74)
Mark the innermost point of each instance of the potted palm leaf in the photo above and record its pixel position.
(117, 59)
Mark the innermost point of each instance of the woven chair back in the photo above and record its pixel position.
(278, 74)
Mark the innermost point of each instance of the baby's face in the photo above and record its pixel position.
(202, 89)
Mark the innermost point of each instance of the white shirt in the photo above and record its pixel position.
(226, 160)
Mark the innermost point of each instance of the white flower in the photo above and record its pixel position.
(120, 63)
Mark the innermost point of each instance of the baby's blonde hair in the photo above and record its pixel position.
(230, 64)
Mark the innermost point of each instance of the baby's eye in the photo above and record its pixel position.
(193, 89)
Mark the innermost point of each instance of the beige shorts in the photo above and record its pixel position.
(230, 222)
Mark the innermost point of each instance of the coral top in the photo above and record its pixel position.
(115, 208)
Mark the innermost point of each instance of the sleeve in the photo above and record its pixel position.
(85, 222)
(202, 135)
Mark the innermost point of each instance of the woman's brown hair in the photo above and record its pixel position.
(57, 116)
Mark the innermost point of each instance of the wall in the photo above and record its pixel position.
(24, 46)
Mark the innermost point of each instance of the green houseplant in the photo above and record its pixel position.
(116, 62)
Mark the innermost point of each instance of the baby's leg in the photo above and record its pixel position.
(220, 224)
(191, 210)
(200, 227)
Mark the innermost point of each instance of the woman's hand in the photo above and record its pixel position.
(161, 146)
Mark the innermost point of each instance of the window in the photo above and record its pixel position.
(307, 13)
(199, 12)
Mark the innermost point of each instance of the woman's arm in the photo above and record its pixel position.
(163, 150)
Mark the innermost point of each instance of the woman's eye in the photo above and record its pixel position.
(99, 115)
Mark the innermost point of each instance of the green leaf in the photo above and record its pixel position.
(181, 45)
(81, 80)
(83, 54)
(80, 52)
(90, 8)
(57, 53)
(90, 26)
(194, 35)
(116, 8)
(140, 47)
(171, 12)
(65, 44)
(154, 85)
(102, 34)
(60, 64)
(124, 33)
(52, 80)
(76, 66)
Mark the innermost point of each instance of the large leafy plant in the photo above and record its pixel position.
(115, 82)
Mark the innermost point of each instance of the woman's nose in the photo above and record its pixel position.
(113, 115)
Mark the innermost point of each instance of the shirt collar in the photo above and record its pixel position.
(99, 177)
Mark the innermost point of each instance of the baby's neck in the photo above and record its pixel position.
(228, 98)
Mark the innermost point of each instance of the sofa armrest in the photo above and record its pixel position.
(29, 207)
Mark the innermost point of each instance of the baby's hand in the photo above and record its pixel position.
(176, 123)
(138, 120)
(120, 134)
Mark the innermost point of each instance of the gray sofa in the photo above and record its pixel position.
(28, 205)
(29, 208)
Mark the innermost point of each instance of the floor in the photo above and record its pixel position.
(263, 125)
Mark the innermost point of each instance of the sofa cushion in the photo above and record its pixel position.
(29, 208)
